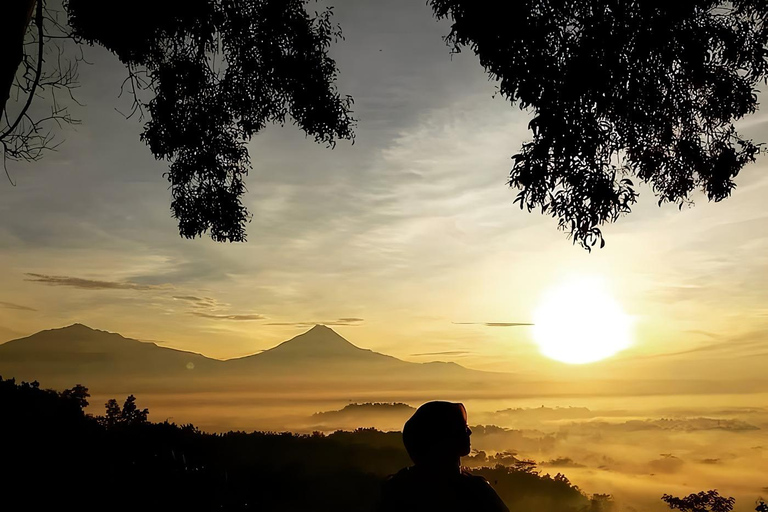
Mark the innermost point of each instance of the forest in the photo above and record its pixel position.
(56, 456)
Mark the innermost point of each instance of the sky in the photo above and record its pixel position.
(407, 242)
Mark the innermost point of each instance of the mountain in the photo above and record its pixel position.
(79, 344)
(78, 354)
(319, 359)
(320, 348)
(319, 342)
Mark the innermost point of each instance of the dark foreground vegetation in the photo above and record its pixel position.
(56, 457)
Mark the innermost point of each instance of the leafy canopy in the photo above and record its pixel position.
(220, 70)
(620, 89)
(704, 501)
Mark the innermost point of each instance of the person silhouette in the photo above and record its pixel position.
(436, 437)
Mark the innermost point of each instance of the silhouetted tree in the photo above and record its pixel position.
(601, 503)
(32, 68)
(761, 506)
(129, 415)
(78, 395)
(216, 72)
(620, 89)
(705, 501)
(112, 414)
(528, 491)
(13, 25)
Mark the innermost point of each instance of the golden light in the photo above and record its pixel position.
(580, 322)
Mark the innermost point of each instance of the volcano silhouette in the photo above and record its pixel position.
(316, 359)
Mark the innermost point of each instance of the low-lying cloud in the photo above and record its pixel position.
(562, 462)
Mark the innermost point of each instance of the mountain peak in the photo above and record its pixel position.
(78, 326)
(321, 334)
(319, 341)
(78, 331)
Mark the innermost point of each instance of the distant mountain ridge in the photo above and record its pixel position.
(79, 343)
(317, 358)
(318, 363)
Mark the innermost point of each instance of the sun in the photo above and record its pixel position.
(580, 322)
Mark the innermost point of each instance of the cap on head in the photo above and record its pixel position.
(437, 433)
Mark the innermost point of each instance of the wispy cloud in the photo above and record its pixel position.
(241, 318)
(347, 321)
(337, 322)
(11, 305)
(198, 302)
(444, 353)
(90, 284)
(745, 345)
(495, 324)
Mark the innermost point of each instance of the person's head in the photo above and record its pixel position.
(437, 434)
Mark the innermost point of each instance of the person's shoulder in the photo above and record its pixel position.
(485, 494)
(397, 491)
(475, 483)
(473, 479)
(403, 474)
(400, 478)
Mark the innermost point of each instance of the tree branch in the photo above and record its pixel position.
(38, 71)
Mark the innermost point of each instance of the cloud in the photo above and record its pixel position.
(495, 324)
(444, 353)
(668, 463)
(665, 424)
(744, 345)
(338, 322)
(198, 302)
(11, 305)
(89, 284)
(192, 298)
(241, 318)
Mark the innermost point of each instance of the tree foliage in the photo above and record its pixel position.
(218, 71)
(129, 415)
(620, 89)
(705, 501)
(78, 394)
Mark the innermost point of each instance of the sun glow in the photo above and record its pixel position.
(580, 322)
